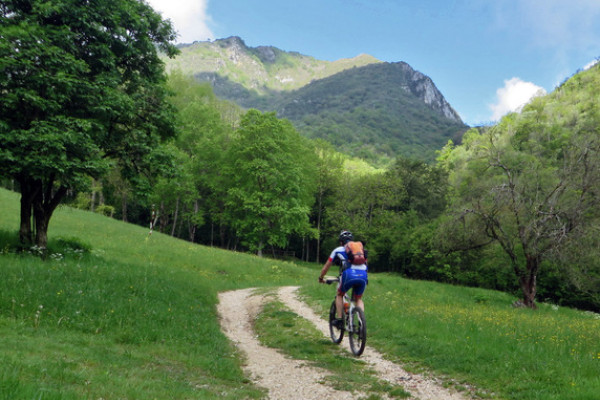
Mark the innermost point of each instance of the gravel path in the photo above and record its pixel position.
(285, 378)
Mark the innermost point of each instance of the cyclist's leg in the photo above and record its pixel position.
(339, 300)
(358, 289)
(359, 302)
(346, 283)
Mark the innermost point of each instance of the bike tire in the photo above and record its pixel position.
(358, 332)
(336, 333)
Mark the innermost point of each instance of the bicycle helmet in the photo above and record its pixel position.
(346, 236)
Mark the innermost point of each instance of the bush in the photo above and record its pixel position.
(105, 210)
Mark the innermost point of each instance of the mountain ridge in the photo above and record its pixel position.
(262, 67)
(365, 107)
(409, 80)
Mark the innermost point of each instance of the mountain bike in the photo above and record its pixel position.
(353, 322)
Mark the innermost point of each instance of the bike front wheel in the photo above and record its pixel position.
(337, 333)
(358, 332)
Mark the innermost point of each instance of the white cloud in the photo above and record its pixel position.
(513, 96)
(189, 18)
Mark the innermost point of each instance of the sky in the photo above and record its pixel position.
(487, 57)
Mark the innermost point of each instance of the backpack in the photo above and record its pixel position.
(356, 253)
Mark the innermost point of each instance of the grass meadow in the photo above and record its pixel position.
(114, 313)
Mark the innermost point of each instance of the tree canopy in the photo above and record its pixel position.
(82, 87)
(272, 170)
(530, 183)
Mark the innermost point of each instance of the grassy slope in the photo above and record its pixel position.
(136, 319)
(290, 70)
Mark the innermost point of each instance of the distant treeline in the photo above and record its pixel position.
(513, 208)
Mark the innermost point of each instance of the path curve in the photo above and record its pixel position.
(286, 378)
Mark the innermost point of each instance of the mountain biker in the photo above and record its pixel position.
(351, 276)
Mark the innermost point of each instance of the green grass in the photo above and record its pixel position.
(114, 313)
(279, 327)
(125, 316)
(475, 336)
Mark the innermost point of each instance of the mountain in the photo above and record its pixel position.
(384, 109)
(365, 107)
(261, 69)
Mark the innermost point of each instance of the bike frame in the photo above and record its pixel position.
(357, 331)
(346, 314)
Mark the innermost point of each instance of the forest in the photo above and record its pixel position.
(513, 207)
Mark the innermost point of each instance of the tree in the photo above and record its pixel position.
(416, 193)
(365, 203)
(425, 186)
(271, 181)
(82, 87)
(329, 172)
(205, 126)
(174, 193)
(529, 184)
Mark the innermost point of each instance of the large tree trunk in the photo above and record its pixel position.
(528, 281)
(25, 235)
(27, 194)
(44, 203)
(41, 227)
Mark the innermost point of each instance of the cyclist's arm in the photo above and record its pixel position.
(325, 269)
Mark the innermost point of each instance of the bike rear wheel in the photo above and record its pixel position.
(337, 334)
(358, 332)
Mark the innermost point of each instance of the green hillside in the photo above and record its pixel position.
(260, 69)
(116, 313)
(366, 108)
(371, 110)
(528, 186)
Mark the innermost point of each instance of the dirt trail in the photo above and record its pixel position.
(286, 378)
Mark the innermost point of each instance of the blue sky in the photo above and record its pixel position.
(487, 57)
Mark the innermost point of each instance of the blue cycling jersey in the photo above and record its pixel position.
(352, 276)
(338, 256)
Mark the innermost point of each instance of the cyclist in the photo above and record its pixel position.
(351, 276)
